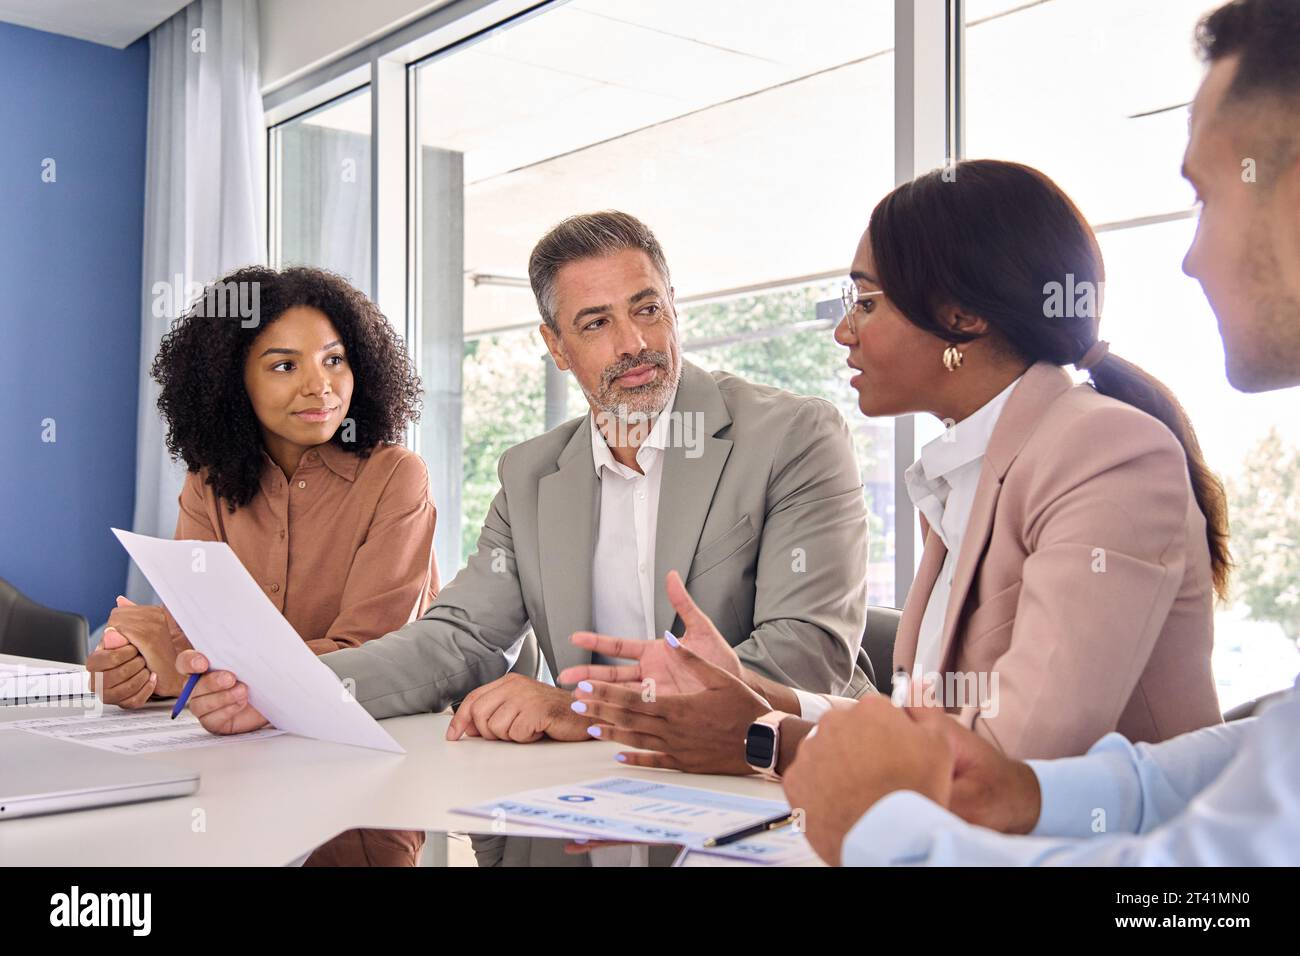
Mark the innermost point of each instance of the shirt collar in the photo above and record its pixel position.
(603, 457)
(339, 460)
(966, 441)
(343, 463)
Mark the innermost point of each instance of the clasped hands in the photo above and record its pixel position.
(136, 660)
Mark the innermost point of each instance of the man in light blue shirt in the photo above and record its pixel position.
(1225, 795)
(881, 785)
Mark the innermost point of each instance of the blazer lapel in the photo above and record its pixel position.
(1041, 384)
(689, 480)
(918, 595)
(568, 500)
(978, 528)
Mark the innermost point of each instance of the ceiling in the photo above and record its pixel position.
(116, 23)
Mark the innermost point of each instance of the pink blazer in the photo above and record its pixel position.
(1083, 583)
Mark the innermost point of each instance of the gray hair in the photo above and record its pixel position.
(585, 237)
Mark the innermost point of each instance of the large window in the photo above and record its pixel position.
(320, 164)
(775, 338)
(1092, 92)
(752, 138)
(1106, 117)
(504, 403)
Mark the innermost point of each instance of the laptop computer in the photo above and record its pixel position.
(45, 775)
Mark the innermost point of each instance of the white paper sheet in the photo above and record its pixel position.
(227, 617)
(131, 731)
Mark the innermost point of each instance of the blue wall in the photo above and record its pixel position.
(70, 263)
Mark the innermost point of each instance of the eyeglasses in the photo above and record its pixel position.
(853, 300)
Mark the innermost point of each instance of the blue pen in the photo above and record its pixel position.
(182, 700)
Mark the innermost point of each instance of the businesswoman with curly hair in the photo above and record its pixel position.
(289, 425)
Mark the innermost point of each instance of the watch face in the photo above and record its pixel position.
(760, 746)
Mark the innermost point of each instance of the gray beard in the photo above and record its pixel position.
(636, 405)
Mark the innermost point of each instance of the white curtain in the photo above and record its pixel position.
(204, 183)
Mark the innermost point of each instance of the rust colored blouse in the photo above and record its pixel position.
(344, 548)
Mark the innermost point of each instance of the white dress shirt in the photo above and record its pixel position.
(622, 573)
(1227, 795)
(623, 570)
(941, 484)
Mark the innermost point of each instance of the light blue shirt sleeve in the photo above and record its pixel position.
(1119, 787)
(1219, 796)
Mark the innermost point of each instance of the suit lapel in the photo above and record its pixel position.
(1041, 384)
(689, 481)
(918, 595)
(568, 500)
(978, 528)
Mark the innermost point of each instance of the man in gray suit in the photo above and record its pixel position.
(750, 493)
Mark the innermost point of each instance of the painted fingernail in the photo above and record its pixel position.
(672, 641)
(594, 731)
(578, 707)
(621, 758)
(584, 686)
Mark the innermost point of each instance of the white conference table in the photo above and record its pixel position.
(268, 802)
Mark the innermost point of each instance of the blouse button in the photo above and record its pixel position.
(302, 484)
(275, 588)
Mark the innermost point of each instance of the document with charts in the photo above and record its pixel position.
(621, 808)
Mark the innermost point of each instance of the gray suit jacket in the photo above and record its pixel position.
(761, 512)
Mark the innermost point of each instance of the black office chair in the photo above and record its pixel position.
(878, 646)
(28, 629)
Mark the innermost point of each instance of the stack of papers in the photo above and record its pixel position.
(25, 684)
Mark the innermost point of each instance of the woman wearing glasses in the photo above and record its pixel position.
(1074, 538)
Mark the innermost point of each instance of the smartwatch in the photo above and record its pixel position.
(763, 743)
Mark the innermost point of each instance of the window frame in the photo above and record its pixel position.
(928, 122)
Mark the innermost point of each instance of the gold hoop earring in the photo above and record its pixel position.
(952, 358)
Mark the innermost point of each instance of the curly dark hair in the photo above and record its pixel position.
(200, 370)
